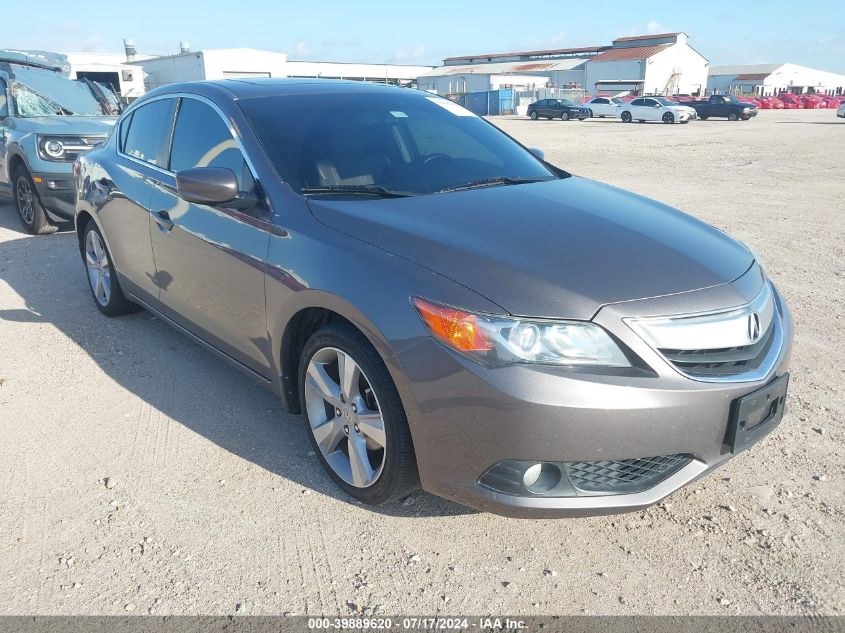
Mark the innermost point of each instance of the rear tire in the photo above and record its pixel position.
(703, 117)
(733, 116)
(398, 473)
(626, 117)
(31, 212)
(102, 279)
(590, 113)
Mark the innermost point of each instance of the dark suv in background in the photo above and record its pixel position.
(562, 109)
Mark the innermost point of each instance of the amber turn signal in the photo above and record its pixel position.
(456, 328)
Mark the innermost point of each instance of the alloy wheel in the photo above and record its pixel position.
(668, 118)
(25, 199)
(99, 270)
(345, 417)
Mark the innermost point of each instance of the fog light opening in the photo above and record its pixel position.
(541, 478)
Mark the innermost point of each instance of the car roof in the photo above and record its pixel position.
(268, 87)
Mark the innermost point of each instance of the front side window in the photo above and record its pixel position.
(149, 130)
(202, 139)
(400, 140)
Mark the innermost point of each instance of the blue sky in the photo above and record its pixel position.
(811, 32)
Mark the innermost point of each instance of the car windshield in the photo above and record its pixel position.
(40, 92)
(370, 143)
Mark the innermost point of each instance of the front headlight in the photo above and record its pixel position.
(64, 149)
(495, 341)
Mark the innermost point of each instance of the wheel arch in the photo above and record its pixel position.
(316, 311)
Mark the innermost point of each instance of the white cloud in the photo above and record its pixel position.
(301, 48)
(408, 54)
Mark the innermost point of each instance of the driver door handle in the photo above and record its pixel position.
(162, 218)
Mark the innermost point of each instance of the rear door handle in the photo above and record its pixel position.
(162, 218)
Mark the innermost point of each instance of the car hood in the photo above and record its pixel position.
(95, 126)
(560, 248)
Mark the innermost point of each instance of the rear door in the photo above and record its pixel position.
(126, 186)
(210, 259)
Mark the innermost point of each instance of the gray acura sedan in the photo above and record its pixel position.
(443, 306)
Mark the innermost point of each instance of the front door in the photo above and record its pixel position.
(142, 156)
(210, 260)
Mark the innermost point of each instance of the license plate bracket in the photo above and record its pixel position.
(756, 414)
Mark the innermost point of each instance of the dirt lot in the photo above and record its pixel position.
(138, 473)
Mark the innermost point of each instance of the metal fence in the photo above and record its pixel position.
(490, 102)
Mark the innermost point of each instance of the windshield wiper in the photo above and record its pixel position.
(361, 190)
(493, 182)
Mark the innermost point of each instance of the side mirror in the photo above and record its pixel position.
(538, 153)
(214, 186)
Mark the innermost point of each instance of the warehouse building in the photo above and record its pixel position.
(394, 74)
(663, 64)
(647, 64)
(217, 63)
(127, 80)
(772, 79)
(240, 63)
(526, 70)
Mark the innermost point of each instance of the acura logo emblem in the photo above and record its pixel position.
(753, 326)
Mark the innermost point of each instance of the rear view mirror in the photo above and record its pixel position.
(214, 186)
(538, 153)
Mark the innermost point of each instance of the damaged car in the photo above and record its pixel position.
(47, 120)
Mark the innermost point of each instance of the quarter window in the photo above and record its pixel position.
(202, 139)
(149, 129)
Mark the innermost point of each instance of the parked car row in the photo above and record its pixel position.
(353, 248)
(677, 109)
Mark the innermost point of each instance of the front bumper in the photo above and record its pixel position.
(466, 418)
(749, 114)
(56, 192)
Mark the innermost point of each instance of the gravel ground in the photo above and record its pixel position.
(140, 474)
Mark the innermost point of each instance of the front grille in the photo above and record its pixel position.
(727, 361)
(624, 476)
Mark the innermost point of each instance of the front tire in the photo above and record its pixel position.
(102, 280)
(32, 213)
(669, 118)
(533, 115)
(354, 416)
(564, 116)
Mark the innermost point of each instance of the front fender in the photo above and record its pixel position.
(363, 284)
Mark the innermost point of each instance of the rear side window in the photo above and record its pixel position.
(149, 130)
(601, 101)
(638, 102)
(4, 104)
(202, 139)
